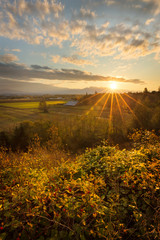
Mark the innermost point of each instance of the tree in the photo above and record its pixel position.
(43, 105)
(145, 90)
(159, 89)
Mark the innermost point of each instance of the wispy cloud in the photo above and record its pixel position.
(74, 59)
(16, 50)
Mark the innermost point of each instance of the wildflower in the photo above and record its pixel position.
(69, 189)
(1, 228)
(81, 209)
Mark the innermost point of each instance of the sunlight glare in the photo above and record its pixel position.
(113, 86)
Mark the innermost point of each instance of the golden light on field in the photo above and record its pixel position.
(113, 86)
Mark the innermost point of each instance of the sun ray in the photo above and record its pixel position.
(110, 115)
(129, 108)
(105, 104)
(134, 100)
(95, 104)
(120, 111)
(90, 97)
(83, 100)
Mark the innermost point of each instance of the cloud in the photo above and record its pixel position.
(55, 58)
(16, 50)
(37, 8)
(33, 21)
(42, 22)
(77, 26)
(152, 6)
(86, 13)
(21, 72)
(55, 33)
(95, 3)
(37, 67)
(7, 58)
(149, 21)
(74, 59)
(124, 41)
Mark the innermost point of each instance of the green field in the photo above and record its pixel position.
(13, 113)
(28, 104)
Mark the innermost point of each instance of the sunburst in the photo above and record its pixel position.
(116, 100)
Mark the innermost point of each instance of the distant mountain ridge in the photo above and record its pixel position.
(23, 88)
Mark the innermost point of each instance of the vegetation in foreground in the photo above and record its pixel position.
(106, 193)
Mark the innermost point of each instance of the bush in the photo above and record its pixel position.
(106, 193)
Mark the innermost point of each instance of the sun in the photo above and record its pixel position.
(113, 86)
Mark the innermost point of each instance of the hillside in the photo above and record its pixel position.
(106, 193)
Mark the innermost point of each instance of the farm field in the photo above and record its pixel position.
(10, 115)
(13, 113)
(28, 104)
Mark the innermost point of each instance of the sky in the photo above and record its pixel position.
(61, 45)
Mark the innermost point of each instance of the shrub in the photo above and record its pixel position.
(106, 193)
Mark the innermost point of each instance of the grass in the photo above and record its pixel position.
(15, 113)
(29, 105)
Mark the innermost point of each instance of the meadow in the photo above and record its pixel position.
(24, 105)
(15, 112)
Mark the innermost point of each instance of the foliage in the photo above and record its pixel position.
(73, 134)
(106, 193)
